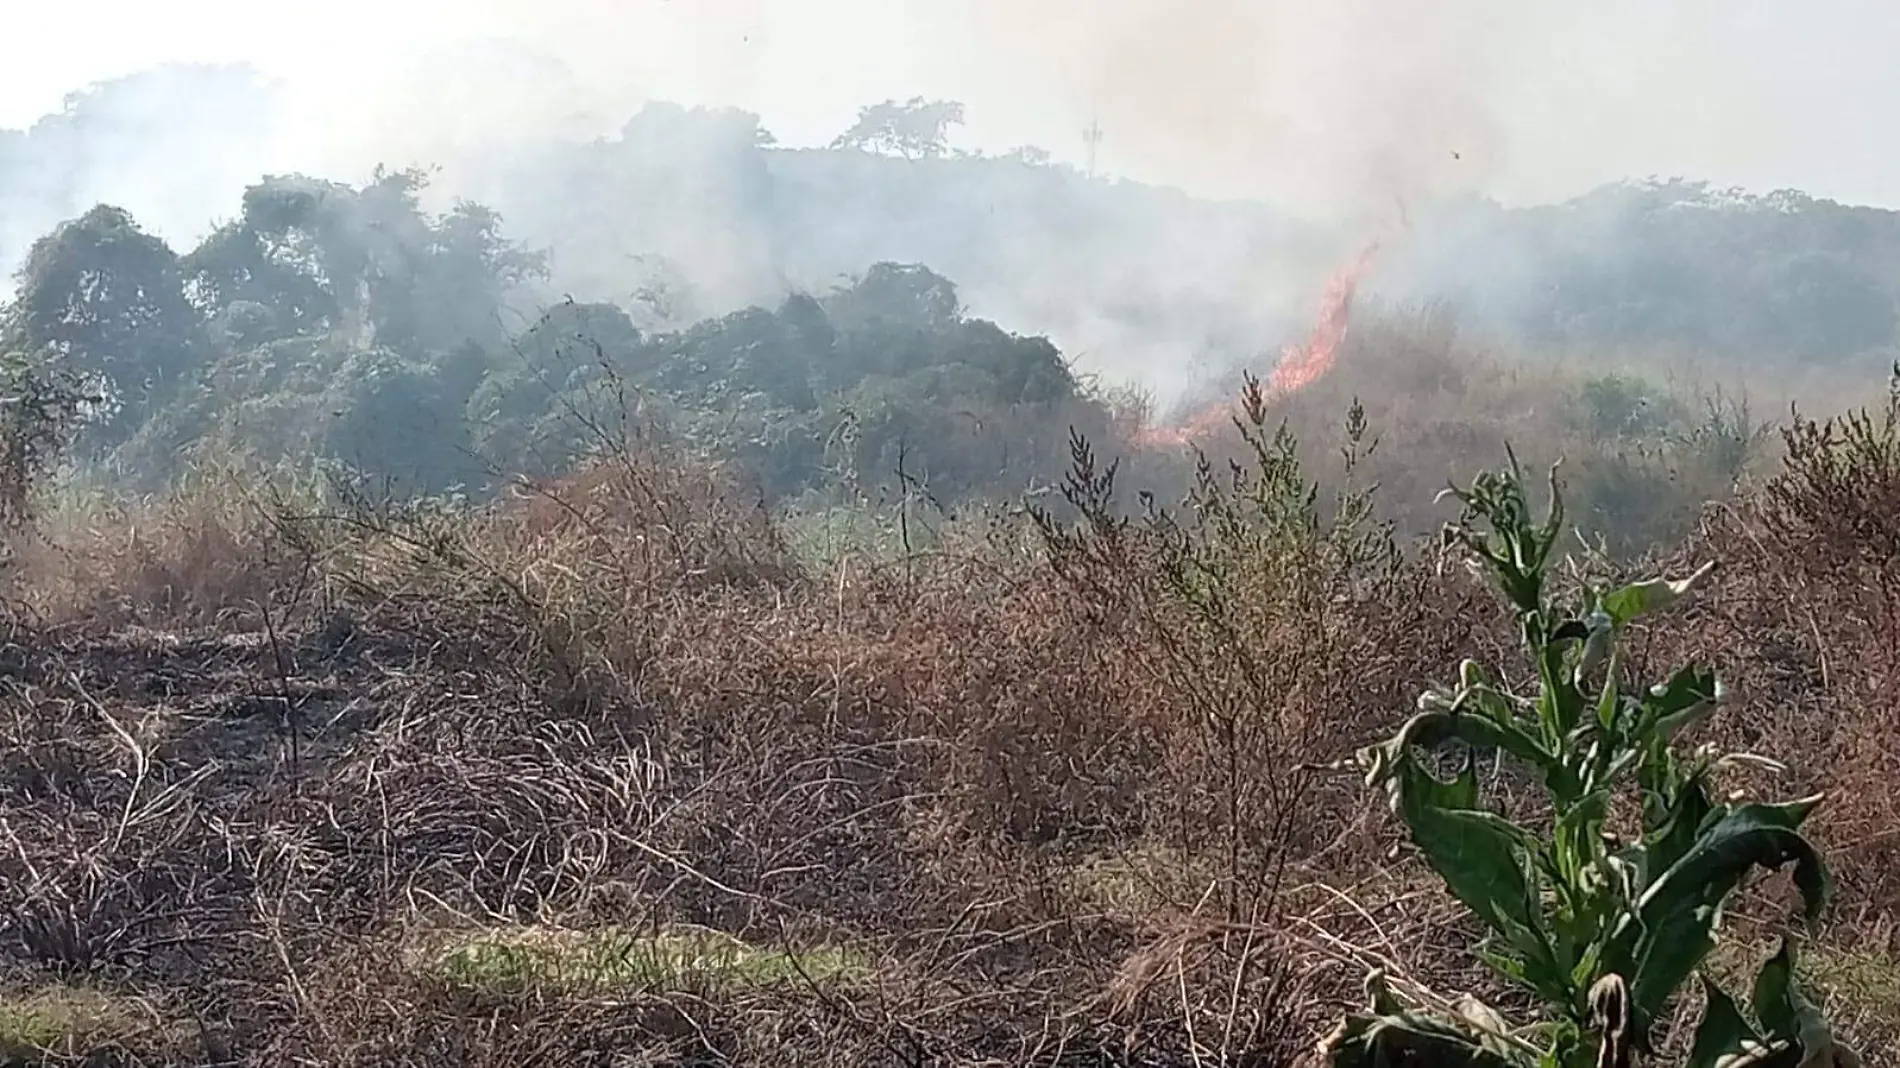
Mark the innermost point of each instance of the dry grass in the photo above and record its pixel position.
(607, 772)
(1645, 442)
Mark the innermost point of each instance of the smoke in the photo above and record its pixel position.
(1338, 116)
(1309, 105)
(174, 145)
(1318, 104)
(1327, 109)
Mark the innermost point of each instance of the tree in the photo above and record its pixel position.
(908, 293)
(1028, 156)
(531, 411)
(1819, 304)
(1780, 275)
(915, 129)
(362, 248)
(283, 252)
(324, 256)
(402, 422)
(105, 301)
(464, 278)
(238, 265)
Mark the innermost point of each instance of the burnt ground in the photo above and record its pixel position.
(239, 839)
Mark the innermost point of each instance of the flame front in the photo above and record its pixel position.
(1300, 365)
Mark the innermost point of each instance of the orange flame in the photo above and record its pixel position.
(1300, 365)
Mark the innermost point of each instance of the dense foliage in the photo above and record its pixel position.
(882, 374)
(350, 323)
(769, 305)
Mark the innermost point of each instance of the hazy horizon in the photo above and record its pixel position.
(1327, 110)
(1333, 117)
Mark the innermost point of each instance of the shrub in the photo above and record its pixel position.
(41, 410)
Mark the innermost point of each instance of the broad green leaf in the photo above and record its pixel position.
(1819, 1048)
(1609, 703)
(1435, 727)
(1570, 630)
(1774, 994)
(1596, 647)
(1486, 861)
(1672, 707)
(1641, 598)
(1680, 909)
(1790, 1017)
(1561, 705)
(1577, 834)
(1724, 1031)
(1505, 965)
(1676, 828)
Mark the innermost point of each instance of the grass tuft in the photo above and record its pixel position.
(535, 960)
(50, 1023)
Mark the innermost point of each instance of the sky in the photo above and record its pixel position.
(1335, 105)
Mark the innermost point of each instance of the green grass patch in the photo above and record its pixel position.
(542, 960)
(821, 536)
(65, 1022)
(1866, 982)
(1870, 981)
(1143, 880)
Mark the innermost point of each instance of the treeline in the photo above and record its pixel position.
(349, 324)
(767, 305)
(681, 214)
(1139, 276)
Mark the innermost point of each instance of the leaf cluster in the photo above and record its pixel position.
(1602, 932)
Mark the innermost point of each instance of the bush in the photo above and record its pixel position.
(41, 410)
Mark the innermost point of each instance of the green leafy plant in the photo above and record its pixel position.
(1602, 933)
(42, 407)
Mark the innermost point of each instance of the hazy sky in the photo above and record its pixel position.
(1322, 102)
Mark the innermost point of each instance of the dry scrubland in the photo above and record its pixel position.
(615, 774)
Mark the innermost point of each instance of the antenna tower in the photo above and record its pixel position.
(1093, 138)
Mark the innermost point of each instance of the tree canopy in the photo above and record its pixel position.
(346, 322)
(107, 301)
(914, 129)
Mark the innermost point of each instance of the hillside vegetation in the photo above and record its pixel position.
(682, 214)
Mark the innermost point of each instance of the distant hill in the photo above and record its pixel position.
(685, 213)
(1780, 275)
(1139, 280)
